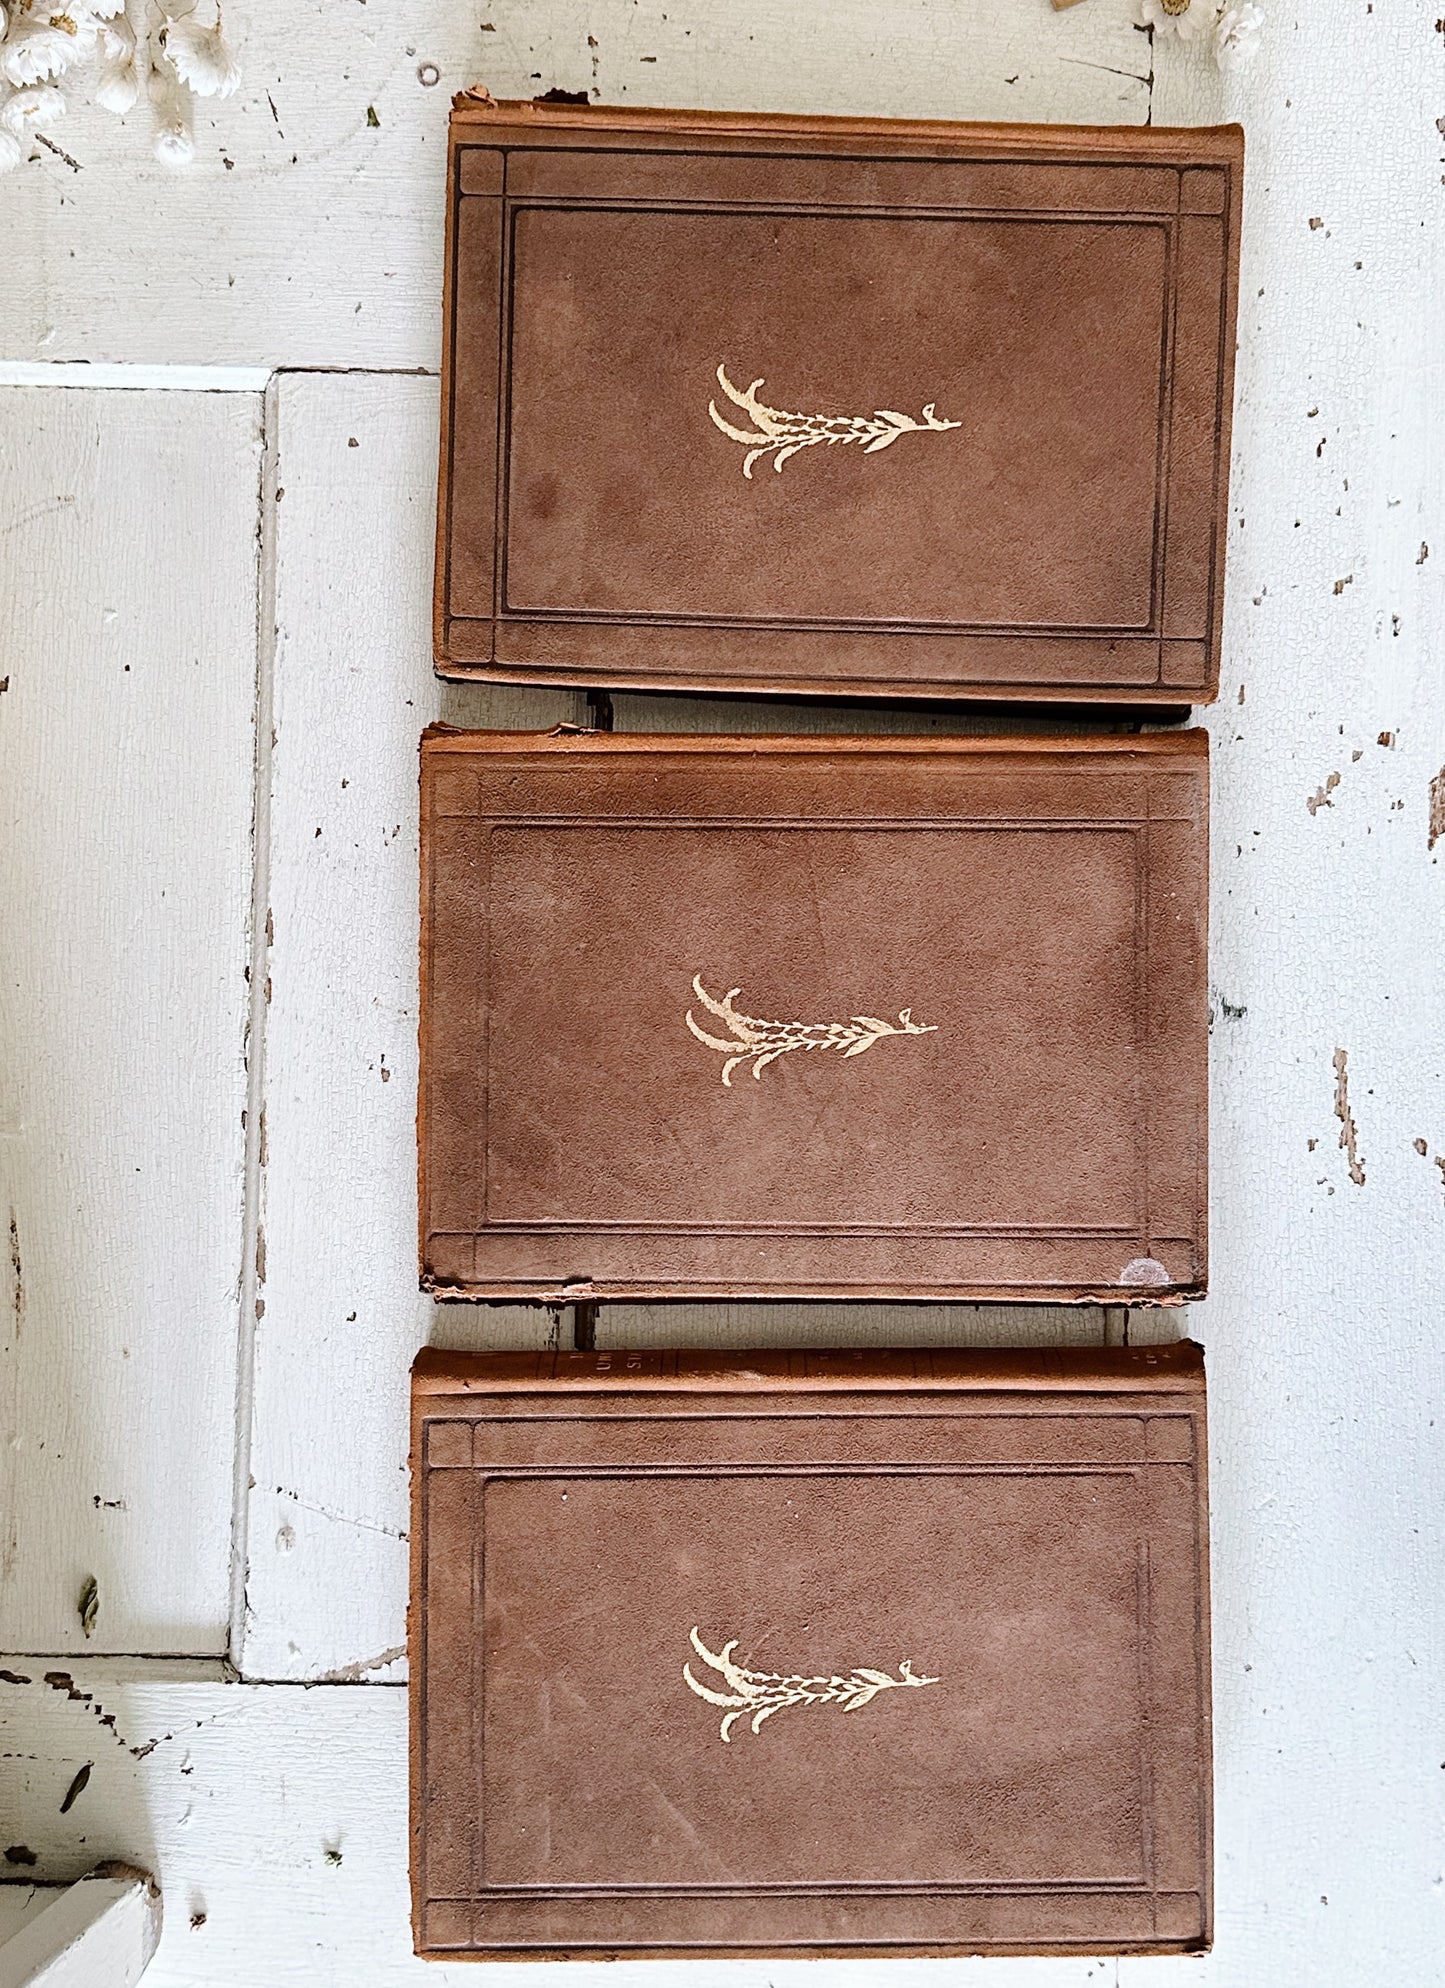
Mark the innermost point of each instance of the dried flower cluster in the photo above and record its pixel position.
(1230, 27)
(129, 49)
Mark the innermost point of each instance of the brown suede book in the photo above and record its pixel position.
(826, 405)
(791, 1018)
(809, 1654)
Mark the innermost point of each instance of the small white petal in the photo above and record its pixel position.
(201, 58)
(117, 40)
(174, 144)
(117, 88)
(1237, 36)
(34, 109)
(11, 151)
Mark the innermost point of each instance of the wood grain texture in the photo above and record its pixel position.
(275, 1820)
(306, 234)
(339, 1314)
(128, 565)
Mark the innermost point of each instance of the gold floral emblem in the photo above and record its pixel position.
(762, 1043)
(763, 1692)
(780, 435)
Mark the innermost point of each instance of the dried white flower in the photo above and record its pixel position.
(1186, 18)
(117, 39)
(201, 58)
(33, 109)
(150, 46)
(1236, 38)
(35, 50)
(74, 18)
(174, 144)
(118, 86)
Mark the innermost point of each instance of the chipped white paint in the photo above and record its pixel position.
(1327, 1390)
(308, 231)
(100, 1932)
(1323, 1328)
(275, 1818)
(338, 1312)
(127, 566)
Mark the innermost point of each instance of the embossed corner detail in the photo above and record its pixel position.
(763, 1043)
(760, 1693)
(778, 434)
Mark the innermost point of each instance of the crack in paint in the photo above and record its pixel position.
(340, 1518)
(355, 1673)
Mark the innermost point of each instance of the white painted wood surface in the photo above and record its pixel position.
(340, 1316)
(307, 235)
(20, 1903)
(127, 569)
(1326, 1372)
(1326, 1353)
(100, 1932)
(277, 1818)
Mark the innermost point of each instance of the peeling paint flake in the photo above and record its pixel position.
(17, 1276)
(1437, 807)
(1348, 1136)
(1321, 796)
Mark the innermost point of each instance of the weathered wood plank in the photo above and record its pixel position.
(100, 1932)
(1327, 1364)
(339, 1312)
(308, 230)
(275, 1819)
(128, 568)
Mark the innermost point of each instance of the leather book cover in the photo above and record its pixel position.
(791, 1018)
(843, 406)
(809, 1654)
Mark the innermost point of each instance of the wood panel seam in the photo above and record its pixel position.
(253, 1233)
